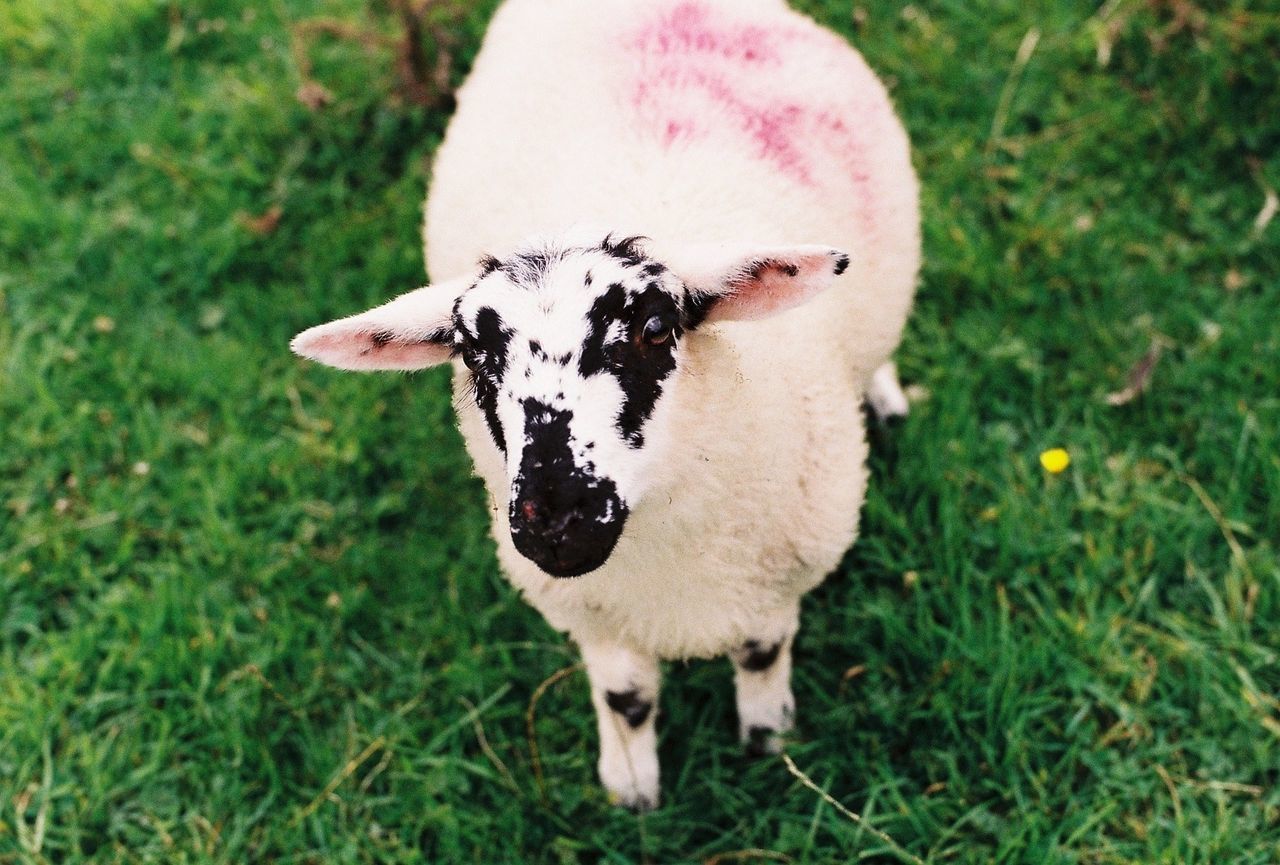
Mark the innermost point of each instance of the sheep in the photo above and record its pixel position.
(666, 408)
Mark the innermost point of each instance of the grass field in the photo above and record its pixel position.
(249, 612)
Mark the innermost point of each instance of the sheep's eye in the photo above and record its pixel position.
(656, 331)
(471, 358)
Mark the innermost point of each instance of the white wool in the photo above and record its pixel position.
(720, 121)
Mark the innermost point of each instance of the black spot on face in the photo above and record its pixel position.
(757, 658)
(607, 308)
(634, 710)
(492, 338)
(628, 250)
(842, 264)
(790, 269)
(641, 369)
(696, 308)
(485, 353)
(563, 518)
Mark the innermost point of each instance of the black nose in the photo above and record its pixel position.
(549, 523)
(566, 532)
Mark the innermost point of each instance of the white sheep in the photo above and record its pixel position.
(669, 429)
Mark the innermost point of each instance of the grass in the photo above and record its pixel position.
(248, 608)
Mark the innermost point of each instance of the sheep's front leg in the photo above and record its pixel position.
(624, 690)
(762, 675)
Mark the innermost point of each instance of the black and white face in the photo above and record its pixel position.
(573, 353)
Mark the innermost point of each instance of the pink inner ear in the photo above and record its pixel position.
(766, 288)
(413, 331)
(769, 285)
(342, 346)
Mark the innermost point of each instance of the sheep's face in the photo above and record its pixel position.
(572, 354)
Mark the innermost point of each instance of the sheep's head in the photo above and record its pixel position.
(572, 353)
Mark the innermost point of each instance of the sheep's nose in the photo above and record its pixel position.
(547, 522)
(566, 532)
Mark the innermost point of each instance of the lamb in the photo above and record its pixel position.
(666, 409)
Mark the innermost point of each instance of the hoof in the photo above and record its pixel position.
(633, 786)
(636, 803)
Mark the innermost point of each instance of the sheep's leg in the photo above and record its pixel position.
(624, 690)
(762, 675)
(885, 395)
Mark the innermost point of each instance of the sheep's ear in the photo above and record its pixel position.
(414, 331)
(740, 285)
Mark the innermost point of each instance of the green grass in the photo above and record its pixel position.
(248, 607)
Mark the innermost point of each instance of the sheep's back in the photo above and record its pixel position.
(684, 120)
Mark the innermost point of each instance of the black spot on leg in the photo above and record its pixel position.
(629, 705)
(488, 264)
(756, 658)
(757, 744)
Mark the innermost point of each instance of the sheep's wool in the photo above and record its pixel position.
(696, 121)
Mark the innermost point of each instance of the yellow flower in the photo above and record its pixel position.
(1055, 461)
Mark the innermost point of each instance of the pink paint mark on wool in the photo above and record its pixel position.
(677, 129)
(685, 49)
(838, 138)
(775, 128)
(701, 69)
(687, 29)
